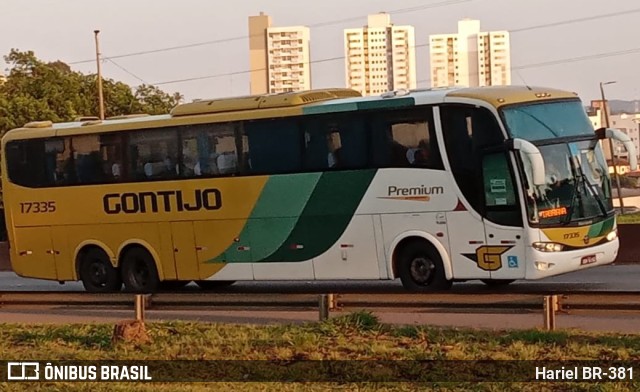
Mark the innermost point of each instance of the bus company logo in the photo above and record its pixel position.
(488, 258)
(586, 240)
(418, 193)
(21, 371)
(165, 201)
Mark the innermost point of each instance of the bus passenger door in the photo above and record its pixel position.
(503, 218)
(34, 253)
(506, 251)
(184, 250)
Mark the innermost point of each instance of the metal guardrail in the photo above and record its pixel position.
(550, 305)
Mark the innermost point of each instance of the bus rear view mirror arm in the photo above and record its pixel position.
(623, 138)
(533, 155)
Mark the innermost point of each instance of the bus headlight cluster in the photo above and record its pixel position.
(612, 235)
(548, 246)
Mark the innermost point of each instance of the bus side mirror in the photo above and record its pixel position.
(532, 154)
(623, 138)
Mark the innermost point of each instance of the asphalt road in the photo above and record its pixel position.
(606, 278)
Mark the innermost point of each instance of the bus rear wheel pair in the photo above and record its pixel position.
(138, 272)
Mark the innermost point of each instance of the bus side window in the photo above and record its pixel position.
(406, 139)
(112, 157)
(153, 154)
(335, 142)
(87, 156)
(275, 146)
(210, 150)
(27, 163)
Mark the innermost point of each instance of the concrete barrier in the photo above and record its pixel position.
(629, 245)
(5, 263)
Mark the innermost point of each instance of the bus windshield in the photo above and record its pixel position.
(577, 180)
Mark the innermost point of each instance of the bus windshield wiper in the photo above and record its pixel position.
(536, 119)
(581, 180)
(574, 192)
(594, 192)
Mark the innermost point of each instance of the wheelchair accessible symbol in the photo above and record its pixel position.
(512, 261)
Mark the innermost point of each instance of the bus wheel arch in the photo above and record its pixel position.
(421, 263)
(96, 271)
(139, 269)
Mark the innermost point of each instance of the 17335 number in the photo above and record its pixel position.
(37, 207)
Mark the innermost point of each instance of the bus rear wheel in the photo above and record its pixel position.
(214, 284)
(139, 272)
(97, 274)
(421, 269)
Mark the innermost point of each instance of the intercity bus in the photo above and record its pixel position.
(430, 186)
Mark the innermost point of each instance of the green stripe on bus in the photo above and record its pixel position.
(601, 228)
(274, 216)
(326, 216)
(359, 104)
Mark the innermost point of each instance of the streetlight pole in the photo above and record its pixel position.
(605, 110)
(100, 96)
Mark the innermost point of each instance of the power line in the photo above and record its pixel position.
(238, 38)
(595, 56)
(234, 73)
(125, 70)
(579, 58)
(577, 20)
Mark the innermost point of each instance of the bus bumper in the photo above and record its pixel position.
(546, 264)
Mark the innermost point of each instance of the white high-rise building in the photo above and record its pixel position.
(288, 59)
(380, 57)
(470, 58)
(279, 57)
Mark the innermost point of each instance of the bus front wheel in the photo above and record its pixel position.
(97, 274)
(421, 269)
(139, 272)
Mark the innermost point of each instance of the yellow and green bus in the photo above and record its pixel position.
(429, 186)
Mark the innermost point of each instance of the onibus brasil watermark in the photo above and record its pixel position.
(32, 371)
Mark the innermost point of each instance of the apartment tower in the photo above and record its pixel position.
(380, 57)
(470, 58)
(278, 57)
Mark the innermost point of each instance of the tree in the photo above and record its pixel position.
(35, 90)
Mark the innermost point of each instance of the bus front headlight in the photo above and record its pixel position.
(547, 246)
(543, 266)
(612, 235)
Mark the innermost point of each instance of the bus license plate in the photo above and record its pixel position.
(588, 260)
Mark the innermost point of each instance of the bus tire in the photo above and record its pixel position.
(139, 271)
(214, 284)
(498, 282)
(421, 269)
(97, 274)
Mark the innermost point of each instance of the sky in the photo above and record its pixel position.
(575, 56)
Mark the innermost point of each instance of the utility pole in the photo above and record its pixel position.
(613, 157)
(100, 96)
